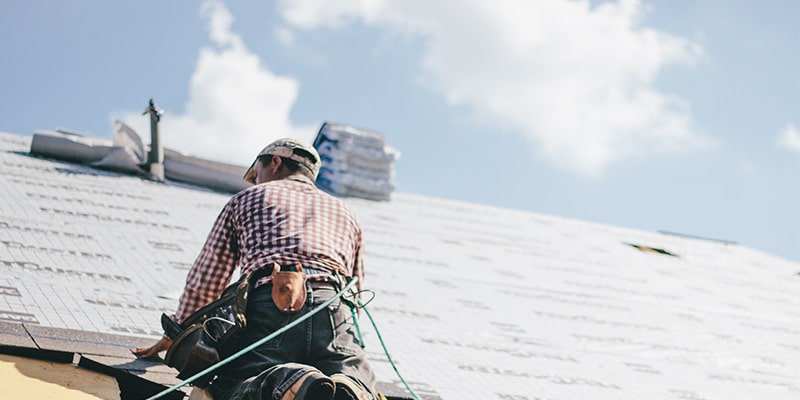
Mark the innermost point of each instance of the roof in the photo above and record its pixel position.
(472, 301)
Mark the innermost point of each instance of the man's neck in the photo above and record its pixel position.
(297, 176)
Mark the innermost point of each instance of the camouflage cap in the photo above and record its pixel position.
(293, 149)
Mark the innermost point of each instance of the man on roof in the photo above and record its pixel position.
(284, 221)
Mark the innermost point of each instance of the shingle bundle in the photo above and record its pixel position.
(355, 162)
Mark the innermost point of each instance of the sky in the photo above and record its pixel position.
(663, 115)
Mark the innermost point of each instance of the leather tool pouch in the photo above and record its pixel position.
(288, 289)
(191, 353)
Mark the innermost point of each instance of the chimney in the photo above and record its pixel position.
(155, 159)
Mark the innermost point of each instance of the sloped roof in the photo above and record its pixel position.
(473, 301)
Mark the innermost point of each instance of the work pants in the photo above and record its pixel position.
(327, 341)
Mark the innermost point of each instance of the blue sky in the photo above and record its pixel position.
(672, 115)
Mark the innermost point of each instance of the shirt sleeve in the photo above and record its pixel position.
(214, 266)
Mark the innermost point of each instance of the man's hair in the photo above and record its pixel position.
(292, 165)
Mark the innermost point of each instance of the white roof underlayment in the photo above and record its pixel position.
(473, 302)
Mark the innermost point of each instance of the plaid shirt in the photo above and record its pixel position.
(287, 221)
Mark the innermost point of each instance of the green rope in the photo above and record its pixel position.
(358, 328)
(363, 306)
(254, 345)
(385, 350)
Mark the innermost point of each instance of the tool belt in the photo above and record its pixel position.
(212, 332)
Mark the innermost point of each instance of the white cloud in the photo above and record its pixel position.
(576, 80)
(790, 138)
(284, 36)
(235, 105)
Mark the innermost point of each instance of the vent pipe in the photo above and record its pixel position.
(155, 159)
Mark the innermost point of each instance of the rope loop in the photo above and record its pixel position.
(355, 297)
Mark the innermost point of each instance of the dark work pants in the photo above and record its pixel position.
(327, 341)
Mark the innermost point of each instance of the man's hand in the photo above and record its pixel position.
(152, 351)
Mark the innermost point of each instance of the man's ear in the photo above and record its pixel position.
(275, 164)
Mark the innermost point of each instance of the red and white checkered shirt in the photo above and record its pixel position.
(287, 221)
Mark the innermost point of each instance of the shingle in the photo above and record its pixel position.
(132, 386)
(151, 370)
(83, 342)
(14, 334)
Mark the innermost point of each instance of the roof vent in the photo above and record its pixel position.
(355, 162)
(155, 158)
(127, 154)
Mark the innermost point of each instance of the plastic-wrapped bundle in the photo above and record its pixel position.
(355, 162)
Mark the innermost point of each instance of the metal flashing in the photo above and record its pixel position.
(127, 156)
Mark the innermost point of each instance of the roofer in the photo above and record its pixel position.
(285, 219)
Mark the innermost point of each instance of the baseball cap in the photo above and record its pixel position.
(293, 149)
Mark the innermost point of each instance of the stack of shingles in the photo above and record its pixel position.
(355, 162)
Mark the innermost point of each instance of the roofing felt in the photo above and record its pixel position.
(473, 301)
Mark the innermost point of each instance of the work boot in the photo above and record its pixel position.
(348, 389)
(314, 385)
